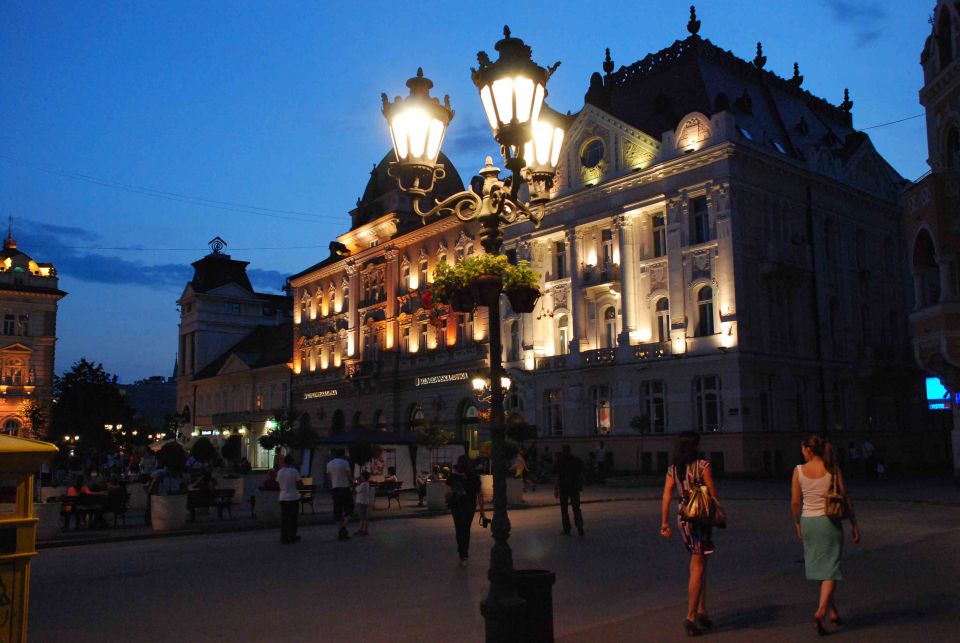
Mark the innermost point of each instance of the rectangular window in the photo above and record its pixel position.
(424, 334)
(602, 411)
(230, 306)
(699, 221)
(553, 412)
(659, 235)
(654, 405)
(9, 324)
(606, 243)
(707, 403)
(559, 259)
(405, 339)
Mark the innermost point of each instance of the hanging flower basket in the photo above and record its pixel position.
(488, 288)
(523, 299)
(462, 301)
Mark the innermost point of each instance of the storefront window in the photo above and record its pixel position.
(602, 412)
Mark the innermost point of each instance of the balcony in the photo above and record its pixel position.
(553, 362)
(599, 356)
(654, 351)
(601, 274)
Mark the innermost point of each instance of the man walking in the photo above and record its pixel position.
(569, 483)
(338, 479)
(287, 478)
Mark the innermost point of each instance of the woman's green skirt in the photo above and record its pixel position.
(822, 547)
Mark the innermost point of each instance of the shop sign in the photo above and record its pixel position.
(315, 395)
(442, 379)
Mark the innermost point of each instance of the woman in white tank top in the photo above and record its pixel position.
(822, 536)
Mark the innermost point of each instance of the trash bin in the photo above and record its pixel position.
(535, 586)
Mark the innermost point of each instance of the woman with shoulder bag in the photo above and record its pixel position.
(462, 498)
(819, 502)
(687, 473)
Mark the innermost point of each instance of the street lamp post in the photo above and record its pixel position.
(512, 91)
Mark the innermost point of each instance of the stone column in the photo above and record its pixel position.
(628, 281)
(574, 238)
(947, 287)
(353, 316)
(676, 220)
(391, 287)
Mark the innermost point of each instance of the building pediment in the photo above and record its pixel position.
(232, 291)
(234, 364)
(16, 347)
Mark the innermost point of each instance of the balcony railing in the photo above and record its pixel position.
(555, 361)
(657, 350)
(601, 274)
(599, 356)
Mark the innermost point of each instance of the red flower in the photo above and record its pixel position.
(427, 300)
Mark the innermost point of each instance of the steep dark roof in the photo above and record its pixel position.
(264, 346)
(217, 270)
(695, 75)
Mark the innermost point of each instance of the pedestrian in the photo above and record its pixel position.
(523, 470)
(568, 483)
(362, 493)
(698, 539)
(462, 498)
(822, 535)
(338, 479)
(287, 478)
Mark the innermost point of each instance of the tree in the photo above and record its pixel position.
(290, 431)
(87, 398)
(34, 418)
(203, 450)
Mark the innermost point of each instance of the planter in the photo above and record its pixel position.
(138, 497)
(489, 288)
(462, 301)
(168, 513)
(437, 496)
(52, 492)
(514, 490)
(48, 519)
(523, 299)
(267, 505)
(233, 483)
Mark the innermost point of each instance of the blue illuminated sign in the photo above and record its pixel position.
(938, 397)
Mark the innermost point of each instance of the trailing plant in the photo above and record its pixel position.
(520, 276)
(434, 435)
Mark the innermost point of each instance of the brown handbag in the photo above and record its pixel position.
(700, 507)
(836, 505)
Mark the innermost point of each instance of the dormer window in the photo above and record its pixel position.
(591, 154)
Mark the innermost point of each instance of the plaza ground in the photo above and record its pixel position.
(622, 582)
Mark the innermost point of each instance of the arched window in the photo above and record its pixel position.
(318, 302)
(345, 298)
(513, 347)
(424, 272)
(944, 38)
(405, 277)
(926, 272)
(952, 152)
(416, 417)
(12, 426)
(563, 335)
(662, 321)
(469, 425)
(357, 424)
(609, 336)
(705, 311)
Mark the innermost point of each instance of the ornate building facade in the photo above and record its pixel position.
(719, 255)
(932, 222)
(29, 294)
(233, 362)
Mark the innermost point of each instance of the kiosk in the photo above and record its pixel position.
(19, 460)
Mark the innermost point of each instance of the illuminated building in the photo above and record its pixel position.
(29, 294)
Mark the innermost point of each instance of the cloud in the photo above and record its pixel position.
(473, 140)
(866, 17)
(64, 247)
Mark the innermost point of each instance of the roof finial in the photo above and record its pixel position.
(797, 78)
(607, 63)
(506, 31)
(693, 26)
(10, 243)
(760, 60)
(217, 245)
(847, 104)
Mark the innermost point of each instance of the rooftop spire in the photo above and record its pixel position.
(9, 242)
(847, 104)
(759, 60)
(797, 78)
(608, 63)
(693, 26)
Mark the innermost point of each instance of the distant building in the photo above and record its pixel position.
(154, 402)
(235, 345)
(933, 215)
(28, 308)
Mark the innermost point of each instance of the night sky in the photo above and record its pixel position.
(133, 133)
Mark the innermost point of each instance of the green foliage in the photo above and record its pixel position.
(291, 432)
(510, 448)
(173, 456)
(518, 430)
(232, 448)
(203, 450)
(434, 435)
(450, 279)
(87, 398)
(35, 417)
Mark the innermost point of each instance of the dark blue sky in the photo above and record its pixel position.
(110, 110)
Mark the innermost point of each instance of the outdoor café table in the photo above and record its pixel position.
(82, 506)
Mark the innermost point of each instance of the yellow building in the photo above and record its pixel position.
(28, 311)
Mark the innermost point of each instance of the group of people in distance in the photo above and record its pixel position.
(822, 535)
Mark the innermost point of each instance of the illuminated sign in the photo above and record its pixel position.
(442, 379)
(938, 397)
(314, 395)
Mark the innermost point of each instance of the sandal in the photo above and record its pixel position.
(704, 621)
(691, 628)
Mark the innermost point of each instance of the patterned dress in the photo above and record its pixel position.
(698, 539)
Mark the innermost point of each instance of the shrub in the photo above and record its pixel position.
(173, 456)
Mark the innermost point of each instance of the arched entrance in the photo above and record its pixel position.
(926, 271)
(338, 423)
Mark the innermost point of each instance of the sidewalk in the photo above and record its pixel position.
(925, 490)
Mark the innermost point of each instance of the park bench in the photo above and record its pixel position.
(207, 498)
(388, 490)
(82, 508)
